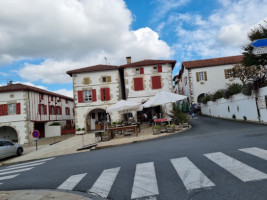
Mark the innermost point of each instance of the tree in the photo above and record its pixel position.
(251, 59)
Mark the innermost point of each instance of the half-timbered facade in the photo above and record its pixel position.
(25, 108)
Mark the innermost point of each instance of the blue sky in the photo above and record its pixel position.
(42, 39)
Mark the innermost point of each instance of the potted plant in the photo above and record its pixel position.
(156, 130)
(170, 128)
(105, 136)
(79, 131)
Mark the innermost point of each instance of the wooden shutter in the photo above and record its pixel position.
(159, 68)
(51, 98)
(225, 74)
(80, 96)
(108, 78)
(102, 90)
(60, 110)
(18, 108)
(86, 81)
(156, 82)
(39, 108)
(107, 97)
(138, 84)
(55, 110)
(205, 74)
(45, 109)
(1, 110)
(5, 109)
(94, 94)
(197, 74)
(50, 110)
(141, 70)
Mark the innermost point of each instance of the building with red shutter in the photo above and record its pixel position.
(25, 108)
(97, 87)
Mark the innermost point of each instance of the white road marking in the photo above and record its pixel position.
(104, 183)
(145, 181)
(16, 171)
(71, 182)
(235, 167)
(27, 163)
(8, 177)
(18, 167)
(190, 175)
(261, 153)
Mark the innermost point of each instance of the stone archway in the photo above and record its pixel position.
(9, 133)
(96, 118)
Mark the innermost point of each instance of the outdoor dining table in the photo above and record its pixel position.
(113, 130)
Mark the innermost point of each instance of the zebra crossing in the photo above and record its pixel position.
(13, 171)
(145, 184)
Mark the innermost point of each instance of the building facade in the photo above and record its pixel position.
(97, 87)
(199, 77)
(25, 108)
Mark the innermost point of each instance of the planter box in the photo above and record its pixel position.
(156, 131)
(105, 138)
(185, 125)
(171, 130)
(178, 128)
(79, 132)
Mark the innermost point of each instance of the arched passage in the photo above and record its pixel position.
(96, 118)
(9, 133)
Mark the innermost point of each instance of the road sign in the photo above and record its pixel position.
(259, 46)
(35, 134)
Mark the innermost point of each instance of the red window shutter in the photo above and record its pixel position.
(156, 82)
(102, 94)
(50, 110)
(107, 97)
(39, 108)
(45, 109)
(94, 94)
(159, 68)
(51, 98)
(141, 70)
(80, 96)
(138, 84)
(18, 108)
(60, 108)
(1, 110)
(55, 110)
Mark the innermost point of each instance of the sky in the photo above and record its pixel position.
(42, 39)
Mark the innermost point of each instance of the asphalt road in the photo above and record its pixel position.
(182, 166)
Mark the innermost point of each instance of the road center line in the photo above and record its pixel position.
(235, 167)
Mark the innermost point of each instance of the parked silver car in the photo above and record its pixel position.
(8, 148)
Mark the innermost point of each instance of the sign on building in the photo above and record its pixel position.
(260, 46)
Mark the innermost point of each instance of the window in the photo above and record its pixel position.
(59, 112)
(42, 109)
(104, 79)
(140, 70)
(67, 111)
(12, 109)
(138, 84)
(201, 76)
(41, 96)
(157, 69)
(228, 73)
(52, 110)
(87, 96)
(137, 71)
(105, 95)
(156, 82)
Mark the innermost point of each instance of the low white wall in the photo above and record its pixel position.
(51, 131)
(239, 105)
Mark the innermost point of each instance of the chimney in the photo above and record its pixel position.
(10, 83)
(128, 59)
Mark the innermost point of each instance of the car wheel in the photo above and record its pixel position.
(19, 152)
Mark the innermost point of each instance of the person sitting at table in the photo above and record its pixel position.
(155, 117)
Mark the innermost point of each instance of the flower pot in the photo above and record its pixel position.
(105, 138)
(170, 129)
(185, 125)
(178, 128)
(156, 131)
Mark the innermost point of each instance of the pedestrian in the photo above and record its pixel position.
(192, 111)
(145, 117)
(155, 117)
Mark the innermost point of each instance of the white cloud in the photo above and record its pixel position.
(68, 93)
(223, 33)
(72, 34)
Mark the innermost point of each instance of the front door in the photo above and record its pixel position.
(92, 121)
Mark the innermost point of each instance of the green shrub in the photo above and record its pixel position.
(170, 126)
(105, 133)
(245, 118)
(217, 95)
(156, 127)
(226, 94)
(55, 124)
(79, 129)
(83, 129)
(206, 98)
(247, 89)
(234, 117)
(234, 88)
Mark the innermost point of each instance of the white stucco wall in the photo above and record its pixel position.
(83, 109)
(239, 105)
(52, 131)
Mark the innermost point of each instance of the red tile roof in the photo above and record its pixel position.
(93, 69)
(113, 67)
(22, 87)
(212, 62)
(149, 63)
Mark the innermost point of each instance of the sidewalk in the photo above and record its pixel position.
(70, 144)
(44, 195)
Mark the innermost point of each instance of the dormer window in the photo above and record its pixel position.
(104, 79)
